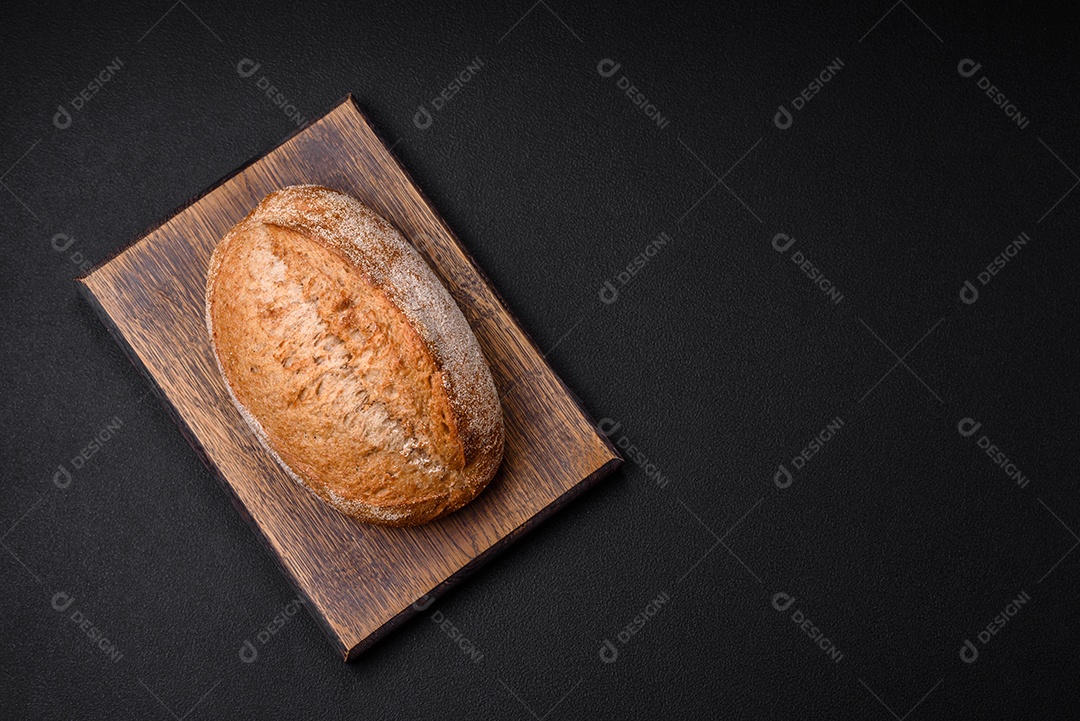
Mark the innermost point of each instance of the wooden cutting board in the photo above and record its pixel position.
(359, 581)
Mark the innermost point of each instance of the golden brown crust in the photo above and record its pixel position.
(350, 361)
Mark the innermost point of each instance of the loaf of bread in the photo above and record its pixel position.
(350, 361)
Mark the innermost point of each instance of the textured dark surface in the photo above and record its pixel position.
(899, 181)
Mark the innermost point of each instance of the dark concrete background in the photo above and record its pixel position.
(899, 180)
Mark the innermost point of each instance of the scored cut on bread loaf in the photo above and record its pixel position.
(350, 361)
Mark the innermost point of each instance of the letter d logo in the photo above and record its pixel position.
(969, 293)
(607, 67)
(968, 426)
(422, 120)
(61, 601)
(425, 601)
(968, 652)
(608, 652)
(782, 477)
(607, 426)
(247, 67)
(62, 119)
(782, 119)
(782, 601)
(608, 293)
(781, 242)
(62, 478)
(248, 652)
(967, 68)
(61, 242)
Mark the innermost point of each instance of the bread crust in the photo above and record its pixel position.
(402, 357)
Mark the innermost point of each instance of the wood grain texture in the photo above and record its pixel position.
(359, 580)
